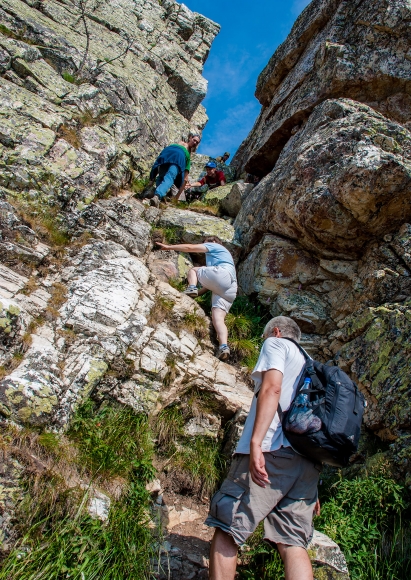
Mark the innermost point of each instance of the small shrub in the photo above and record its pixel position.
(172, 235)
(196, 324)
(177, 284)
(199, 462)
(71, 135)
(161, 310)
(138, 185)
(30, 286)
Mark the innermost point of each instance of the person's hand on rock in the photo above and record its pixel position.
(163, 246)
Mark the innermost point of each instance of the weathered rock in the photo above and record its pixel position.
(341, 180)
(84, 138)
(216, 195)
(327, 557)
(356, 50)
(232, 203)
(193, 227)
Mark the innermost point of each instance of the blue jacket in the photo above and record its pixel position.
(171, 155)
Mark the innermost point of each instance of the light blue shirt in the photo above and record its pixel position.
(217, 255)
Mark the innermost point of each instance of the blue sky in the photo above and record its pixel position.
(250, 33)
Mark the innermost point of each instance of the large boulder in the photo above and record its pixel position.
(231, 203)
(342, 179)
(356, 49)
(192, 227)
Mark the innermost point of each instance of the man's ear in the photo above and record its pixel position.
(277, 332)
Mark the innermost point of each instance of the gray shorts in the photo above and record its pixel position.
(286, 505)
(221, 283)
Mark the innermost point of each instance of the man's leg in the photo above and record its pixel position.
(297, 564)
(166, 182)
(218, 316)
(223, 556)
(192, 279)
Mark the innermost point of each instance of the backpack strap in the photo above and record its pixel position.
(309, 365)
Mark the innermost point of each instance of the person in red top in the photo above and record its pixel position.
(214, 178)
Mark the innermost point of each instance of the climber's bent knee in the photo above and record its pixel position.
(221, 283)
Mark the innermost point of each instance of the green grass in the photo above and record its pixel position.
(139, 184)
(59, 538)
(196, 463)
(200, 463)
(196, 324)
(115, 441)
(68, 77)
(177, 284)
(245, 323)
(363, 515)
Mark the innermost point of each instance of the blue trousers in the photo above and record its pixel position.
(165, 179)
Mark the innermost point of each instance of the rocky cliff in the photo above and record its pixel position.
(105, 367)
(325, 233)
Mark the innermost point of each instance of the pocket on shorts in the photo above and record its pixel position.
(225, 502)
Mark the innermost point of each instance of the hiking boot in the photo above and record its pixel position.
(223, 352)
(147, 193)
(155, 201)
(191, 291)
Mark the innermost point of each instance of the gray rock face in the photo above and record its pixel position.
(325, 233)
(341, 180)
(232, 203)
(83, 115)
(356, 50)
(193, 227)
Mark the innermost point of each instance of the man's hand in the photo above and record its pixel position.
(163, 246)
(317, 508)
(257, 466)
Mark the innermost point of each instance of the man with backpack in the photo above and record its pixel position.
(268, 480)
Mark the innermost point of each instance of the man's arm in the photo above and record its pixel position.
(183, 185)
(222, 182)
(190, 248)
(267, 404)
(195, 184)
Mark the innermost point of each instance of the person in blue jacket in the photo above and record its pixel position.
(172, 167)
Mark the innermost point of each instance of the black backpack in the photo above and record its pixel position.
(323, 422)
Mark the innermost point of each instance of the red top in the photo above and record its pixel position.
(215, 179)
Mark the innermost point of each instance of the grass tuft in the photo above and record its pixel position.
(139, 184)
(196, 324)
(59, 539)
(161, 310)
(245, 323)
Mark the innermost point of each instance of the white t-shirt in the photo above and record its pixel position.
(284, 356)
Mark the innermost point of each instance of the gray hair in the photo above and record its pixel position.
(287, 326)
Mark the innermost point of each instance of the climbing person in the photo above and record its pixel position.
(268, 480)
(223, 158)
(213, 178)
(219, 276)
(170, 168)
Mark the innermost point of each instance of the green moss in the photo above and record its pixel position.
(14, 310)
